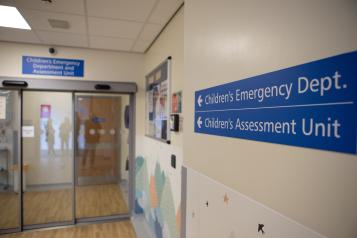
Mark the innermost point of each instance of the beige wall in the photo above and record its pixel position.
(230, 40)
(99, 65)
(170, 43)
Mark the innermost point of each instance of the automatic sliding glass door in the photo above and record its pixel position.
(9, 161)
(75, 158)
(47, 158)
(65, 156)
(101, 155)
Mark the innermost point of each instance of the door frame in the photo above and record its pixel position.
(75, 86)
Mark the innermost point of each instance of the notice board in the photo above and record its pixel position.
(158, 102)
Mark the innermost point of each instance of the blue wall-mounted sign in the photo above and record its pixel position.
(52, 66)
(310, 105)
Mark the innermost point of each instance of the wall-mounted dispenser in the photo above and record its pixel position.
(175, 122)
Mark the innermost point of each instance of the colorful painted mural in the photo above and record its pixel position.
(154, 198)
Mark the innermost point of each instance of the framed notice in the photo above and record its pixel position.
(158, 102)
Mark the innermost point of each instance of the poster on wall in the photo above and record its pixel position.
(158, 102)
(176, 102)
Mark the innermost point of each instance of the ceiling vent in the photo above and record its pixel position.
(58, 24)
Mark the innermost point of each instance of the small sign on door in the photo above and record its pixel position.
(28, 131)
(45, 111)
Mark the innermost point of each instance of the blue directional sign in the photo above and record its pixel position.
(52, 66)
(310, 105)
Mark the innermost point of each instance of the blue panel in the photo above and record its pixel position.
(52, 66)
(311, 105)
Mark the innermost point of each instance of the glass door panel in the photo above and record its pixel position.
(9, 160)
(101, 155)
(47, 157)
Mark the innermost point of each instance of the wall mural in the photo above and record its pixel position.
(154, 199)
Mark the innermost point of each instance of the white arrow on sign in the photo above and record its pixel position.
(199, 122)
(199, 101)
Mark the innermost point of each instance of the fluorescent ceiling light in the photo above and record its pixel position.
(11, 17)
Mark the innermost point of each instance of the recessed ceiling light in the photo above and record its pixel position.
(11, 17)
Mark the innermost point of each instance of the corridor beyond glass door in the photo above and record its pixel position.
(9, 160)
(47, 157)
(101, 155)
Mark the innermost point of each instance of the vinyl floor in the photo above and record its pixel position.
(122, 229)
(57, 205)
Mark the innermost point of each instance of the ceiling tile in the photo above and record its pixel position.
(110, 43)
(113, 28)
(64, 39)
(18, 35)
(38, 20)
(134, 10)
(141, 46)
(150, 31)
(164, 11)
(63, 6)
(112, 24)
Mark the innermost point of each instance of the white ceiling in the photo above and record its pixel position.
(124, 25)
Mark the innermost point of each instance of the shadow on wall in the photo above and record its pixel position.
(154, 199)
